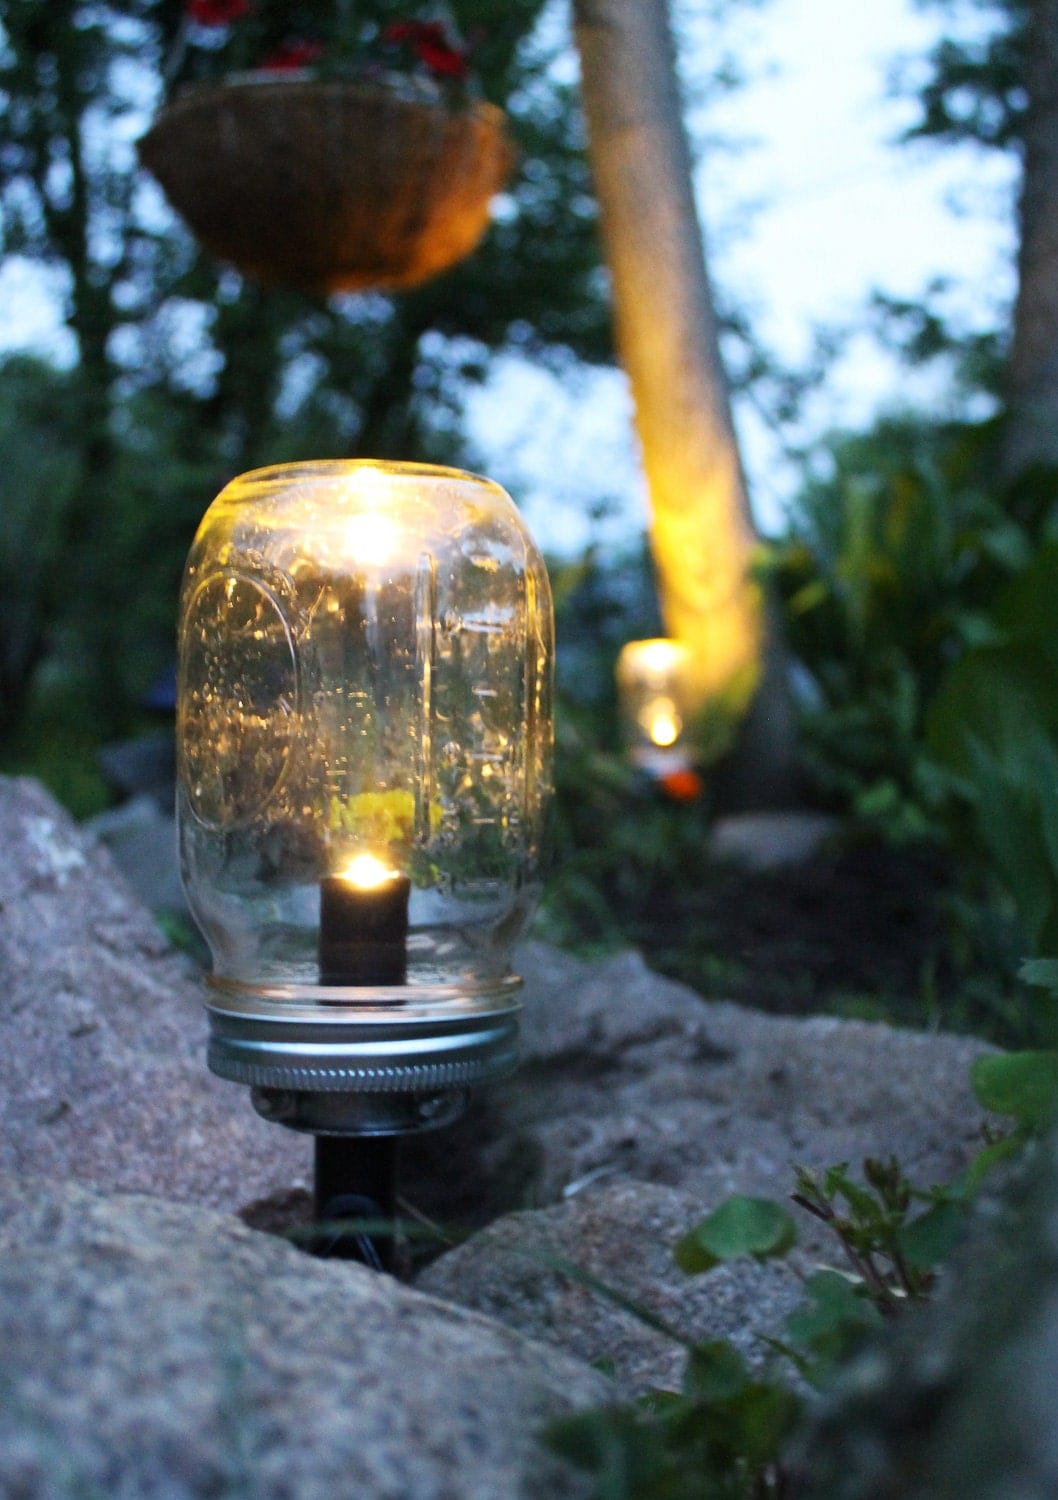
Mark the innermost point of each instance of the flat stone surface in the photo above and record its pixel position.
(621, 1234)
(638, 1109)
(771, 840)
(159, 1350)
(630, 1077)
(103, 1033)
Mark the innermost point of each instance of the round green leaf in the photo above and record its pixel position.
(740, 1226)
(1022, 1084)
(715, 1371)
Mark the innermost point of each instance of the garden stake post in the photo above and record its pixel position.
(364, 761)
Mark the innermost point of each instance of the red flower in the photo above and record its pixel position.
(291, 55)
(403, 31)
(431, 46)
(683, 786)
(216, 12)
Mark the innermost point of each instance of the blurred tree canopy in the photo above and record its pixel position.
(185, 374)
(971, 85)
(182, 374)
(993, 81)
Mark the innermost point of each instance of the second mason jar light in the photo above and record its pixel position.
(364, 762)
(652, 689)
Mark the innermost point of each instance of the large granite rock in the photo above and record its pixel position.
(637, 1107)
(157, 1350)
(633, 1075)
(524, 1270)
(103, 1034)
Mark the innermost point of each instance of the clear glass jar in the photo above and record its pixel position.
(364, 700)
(653, 698)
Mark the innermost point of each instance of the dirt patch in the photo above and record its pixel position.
(846, 931)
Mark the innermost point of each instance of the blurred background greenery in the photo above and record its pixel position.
(916, 582)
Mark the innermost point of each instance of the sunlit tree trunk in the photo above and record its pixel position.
(701, 533)
(1032, 374)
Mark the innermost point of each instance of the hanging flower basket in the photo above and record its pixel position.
(329, 185)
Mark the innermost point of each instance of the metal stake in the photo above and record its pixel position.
(356, 1179)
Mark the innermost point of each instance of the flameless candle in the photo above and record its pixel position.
(364, 925)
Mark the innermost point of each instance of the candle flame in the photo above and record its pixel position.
(659, 657)
(367, 872)
(372, 538)
(664, 730)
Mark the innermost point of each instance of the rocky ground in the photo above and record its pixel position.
(154, 1343)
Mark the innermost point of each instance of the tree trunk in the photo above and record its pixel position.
(701, 532)
(1032, 375)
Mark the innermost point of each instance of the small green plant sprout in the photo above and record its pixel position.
(892, 1236)
(719, 1438)
(890, 1257)
(723, 1436)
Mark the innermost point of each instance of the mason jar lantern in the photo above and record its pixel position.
(652, 691)
(364, 765)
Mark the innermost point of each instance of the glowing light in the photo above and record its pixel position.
(658, 657)
(660, 720)
(664, 729)
(371, 537)
(367, 872)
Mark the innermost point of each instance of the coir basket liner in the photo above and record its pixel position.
(329, 186)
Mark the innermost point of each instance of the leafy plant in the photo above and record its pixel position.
(725, 1432)
(993, 732)
(886, 577)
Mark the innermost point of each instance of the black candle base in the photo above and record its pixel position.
(364, 932)
(363, 943)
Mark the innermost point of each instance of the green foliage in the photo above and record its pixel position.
(885, 578)
(721, 1437)
(724, 1433)
(973, 89)
(1021, 1084)
(834, 1319)
(927, 1241)
(740, 1226)
(42, 467)
(891, 1244)
(992, 727)
(1041, 971)
(923, 608)
(921, 331)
